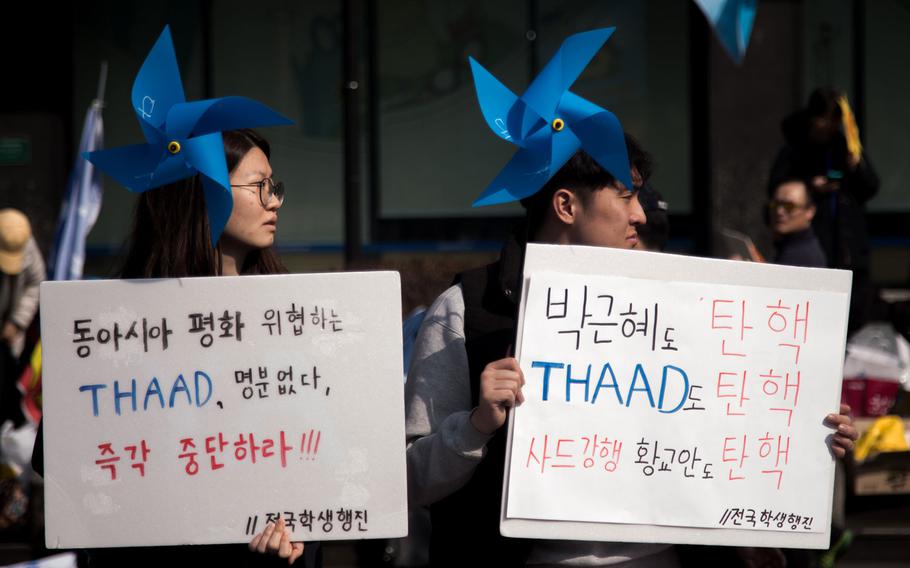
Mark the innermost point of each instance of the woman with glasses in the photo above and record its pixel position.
(171, 236)
(208, 206)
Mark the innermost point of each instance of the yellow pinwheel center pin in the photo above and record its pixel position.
(558, 124)
(173, 147)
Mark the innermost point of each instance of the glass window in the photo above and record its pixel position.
(828, 46)
(641, 74)
(436, 152)
(887, 57)
(288, 55)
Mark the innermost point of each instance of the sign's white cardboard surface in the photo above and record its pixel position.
(147, 444)
(659, 331)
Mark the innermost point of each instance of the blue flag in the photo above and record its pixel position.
(81, 203)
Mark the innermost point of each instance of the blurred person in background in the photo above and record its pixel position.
(822, 146)
(790, 214)
(21, 272)
(655, 232)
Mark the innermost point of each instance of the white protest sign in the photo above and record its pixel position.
(674, 399)
(196, 410)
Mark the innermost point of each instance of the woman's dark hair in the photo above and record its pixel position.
(171, 236)
(583, 174)
(823, 103)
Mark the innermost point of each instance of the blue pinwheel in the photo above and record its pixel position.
(183, 138)
(549, 124)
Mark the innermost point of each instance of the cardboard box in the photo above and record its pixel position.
(885, 474)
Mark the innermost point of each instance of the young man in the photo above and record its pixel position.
(463, 379)
(463, 382)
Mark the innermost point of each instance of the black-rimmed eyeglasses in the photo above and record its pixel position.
(268, 189)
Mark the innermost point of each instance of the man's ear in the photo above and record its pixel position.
(565, 206)
(810, 211)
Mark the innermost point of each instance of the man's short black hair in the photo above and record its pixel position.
(584, 175)
(796, 179)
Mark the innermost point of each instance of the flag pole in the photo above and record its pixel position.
(102, 83)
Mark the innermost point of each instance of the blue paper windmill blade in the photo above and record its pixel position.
(522, 176)
(132, 166)
(208, 116)
(530, 167)
(496, 101)
(218, 203)
(205, 155)
(600, 135)
(157, 87)
(576, 51)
